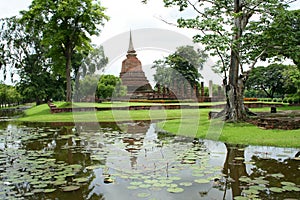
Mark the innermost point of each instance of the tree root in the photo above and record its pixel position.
(224, 114)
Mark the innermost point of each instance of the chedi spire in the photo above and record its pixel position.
(131, 50)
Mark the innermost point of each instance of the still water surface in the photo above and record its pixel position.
(137, 161)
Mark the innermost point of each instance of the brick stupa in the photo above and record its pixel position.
(133, 76)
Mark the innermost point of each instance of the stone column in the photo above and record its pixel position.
(202, 89)
(210, 88)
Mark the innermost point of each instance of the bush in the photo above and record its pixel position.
(277, 100)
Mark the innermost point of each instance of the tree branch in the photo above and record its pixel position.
(257, 57)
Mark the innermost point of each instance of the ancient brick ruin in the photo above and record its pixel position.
(133, 76)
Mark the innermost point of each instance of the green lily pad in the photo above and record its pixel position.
(92, 167)
(288, 183)
(39, 186)
(145, 186)
(198, 174)
(245, 179)
(279, 175)
(143, 195)
(132, 187)
(291, 188)
(81, 180)
(175, 189)
(276, 189)
(70, 188)
(28, 194)
(136, 183)
(49, 190)
(151, 181)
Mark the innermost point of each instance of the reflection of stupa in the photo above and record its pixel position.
(132, 75)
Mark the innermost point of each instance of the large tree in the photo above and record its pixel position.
(182, 66)
(270, 79)
(23, 52)
(65, 27)
(229, 29)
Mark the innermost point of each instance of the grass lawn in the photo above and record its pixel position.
(189, 122)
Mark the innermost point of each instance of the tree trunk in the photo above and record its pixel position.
(68, 73)
(235, 109)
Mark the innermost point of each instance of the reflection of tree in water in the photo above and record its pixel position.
(270, 168)
(234, 168)
(71, 152)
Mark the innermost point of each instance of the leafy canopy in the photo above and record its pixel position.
(184, 63)
(110, 86)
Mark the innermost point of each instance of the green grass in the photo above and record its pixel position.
(235, 133)
(42, 113)
(121, 104)
(188, 122)
(281, 108)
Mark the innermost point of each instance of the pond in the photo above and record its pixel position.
(137, 161)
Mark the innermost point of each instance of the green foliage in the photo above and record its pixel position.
(96, 60)
(181, 66)
(88, 86)
(230, 31)
(282, 36)
(212, 17)
(9, 95)
(24, 52)
(110, 86)
(65, 27)
(292, 84)
(270, 79)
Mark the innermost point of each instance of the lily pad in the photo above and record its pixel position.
(136, 183)
(291, 188)
(151, 181)
(245, 179)
(143, 195)
(49, 190)
(145, 186)
(175, 189)
(132, 187)
(279, 175)
(276, 189)
(92, 167)
(288, 183)
(70, 188)
(81, 180)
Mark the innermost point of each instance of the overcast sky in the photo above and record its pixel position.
(125, 15)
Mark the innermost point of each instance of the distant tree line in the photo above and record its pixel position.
(274, 81)
(48, 44)
(9, 96)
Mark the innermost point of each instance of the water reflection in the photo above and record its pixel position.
(137, 160)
